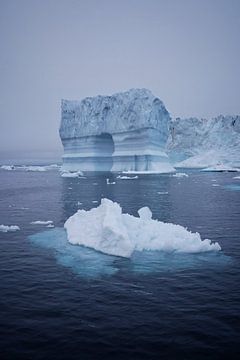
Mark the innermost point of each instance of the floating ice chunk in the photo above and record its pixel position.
(162, 192)
(122, 177)
(50, 226)
(179, 175)
(237, 177)
(8, 167)
(6, 228)
(221, 168)
(108, 230)
(68, 174)
(33, 168)
(215, 185)
(145, 213)
(110, 182)
(42, 222)
(95, 201)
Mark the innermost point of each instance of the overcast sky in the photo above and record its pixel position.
(186, 51)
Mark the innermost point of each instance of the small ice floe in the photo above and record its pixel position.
(108, 230)
(123, 177)
(221, 168)
(79, 203)
(42, 222)
(8, 167)
(180, 175)
(70, 188)
(110, 182)
(215, 185)
(95, 183)
(95, 201)
(69, 174)
(7, 228)
(33, 168)
(162, 192)
(53, 166)
(50, 226)
(236, 177)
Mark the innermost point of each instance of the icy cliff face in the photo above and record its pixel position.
(126, 111)
(125, 131)
(199, 142)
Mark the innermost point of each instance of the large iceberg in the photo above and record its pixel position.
(202, 143)
(108, 230)
(127, 131)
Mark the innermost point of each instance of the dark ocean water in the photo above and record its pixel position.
(60, 301)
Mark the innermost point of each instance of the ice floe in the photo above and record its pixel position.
(108, 230)
(68, 174)
(42, 222)
(123, 177)
(180, 175)
(6, 228)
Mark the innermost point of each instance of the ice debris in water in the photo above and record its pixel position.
(42, 222)
(108, 230)
(6, 228)
(68, 174)
(122, 177)
(237, 177)
(179, 175)
(8, 167)
(110, 182)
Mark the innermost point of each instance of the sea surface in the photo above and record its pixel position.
(59, 301)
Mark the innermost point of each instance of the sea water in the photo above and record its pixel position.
(63, 301)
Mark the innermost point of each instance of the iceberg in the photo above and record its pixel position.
(200, 143)
(6, 228)
(108, 230)
(122, 132)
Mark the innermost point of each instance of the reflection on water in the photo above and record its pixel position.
(89, 263)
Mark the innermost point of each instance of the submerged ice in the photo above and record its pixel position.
(108, 230)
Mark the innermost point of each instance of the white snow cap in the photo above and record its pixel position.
(108, 230)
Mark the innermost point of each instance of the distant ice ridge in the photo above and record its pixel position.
(199, 143)
(29, 167)
(6, 228)
(125, 131)
(108, 230)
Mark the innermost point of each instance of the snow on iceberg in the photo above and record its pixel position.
(199, 143)
(108, 230)
(6, 228)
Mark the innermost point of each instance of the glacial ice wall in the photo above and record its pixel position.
(197, 142)
(122, 132)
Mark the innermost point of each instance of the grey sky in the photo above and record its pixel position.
(186, 51)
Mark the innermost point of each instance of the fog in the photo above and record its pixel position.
(187, 52)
